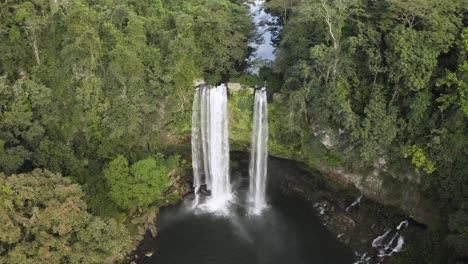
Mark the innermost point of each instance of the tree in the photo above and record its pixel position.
(26, 111)
(139, 185)
(43, 219)
(283, 7)
(378, 130)
(458, 225)
(382, 79)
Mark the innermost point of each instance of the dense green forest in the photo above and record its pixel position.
(101, 93)
(387, 82)
(97, 91)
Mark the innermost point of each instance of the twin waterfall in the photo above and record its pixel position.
(210, 135)
(210, 151)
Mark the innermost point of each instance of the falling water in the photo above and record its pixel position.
(210, 147)
(197, 161)
(259, 153)
(394, 245)
(356, 202)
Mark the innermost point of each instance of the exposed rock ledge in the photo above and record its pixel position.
(235, 87)
(406, 195)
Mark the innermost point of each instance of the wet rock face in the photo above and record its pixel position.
(154, 231)
(384, 189)
(354, 219)
(343, 223)
(234, 87)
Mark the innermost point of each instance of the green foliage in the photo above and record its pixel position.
(272, 80)
(455, 84)
(27, 111)
(283, 8)
(240, 107)
(266, 77)
(337, 80)
(425, 247)
(83, 82)
(115, 76)
(385, 80)
(378, 129)
(43, 219)
(419, 159)
(333, 160)
(139, 185)
(283, 141)
(56, 157)
(458, 224)
(248, 80)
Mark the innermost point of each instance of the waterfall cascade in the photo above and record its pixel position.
(386, 247)
(259, 153)
(210, 147)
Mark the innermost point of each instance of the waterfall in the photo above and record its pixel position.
(356, 202)
(197, 161)
(210, 147)
(259, 153)
(394, 245)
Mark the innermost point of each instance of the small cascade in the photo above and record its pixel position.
(210, 147)
(362, 259)
(394, 245)
(355, 203)
(259, 153)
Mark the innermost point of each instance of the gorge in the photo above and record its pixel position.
(234, 131)
(228, 210)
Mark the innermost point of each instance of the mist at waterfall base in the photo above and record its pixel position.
(288, 232)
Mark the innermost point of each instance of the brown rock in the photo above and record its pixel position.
(141, 231)
(154, 231)
(234, 87)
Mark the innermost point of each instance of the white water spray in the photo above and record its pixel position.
(259, 153)
(394, 245)
(356, 202)
(197, 161)
(210, 147)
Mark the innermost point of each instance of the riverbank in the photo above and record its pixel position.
(144, 225)
(354, 220)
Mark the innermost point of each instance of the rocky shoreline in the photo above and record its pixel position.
(356, 220)
(144, 243)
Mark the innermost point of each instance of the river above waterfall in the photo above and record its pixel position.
(267, 28)
(288, 232)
